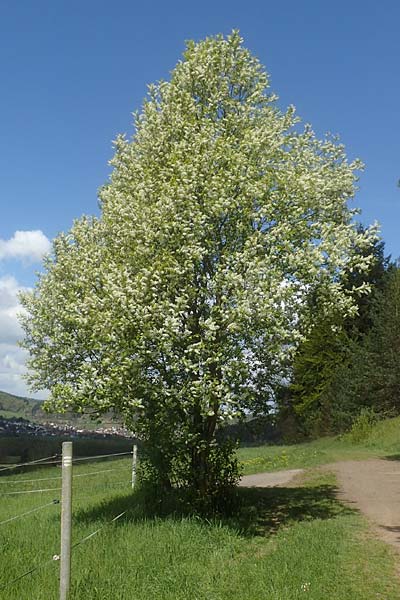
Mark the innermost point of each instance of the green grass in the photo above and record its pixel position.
(319, 452)
(383, 441)
(284, 544)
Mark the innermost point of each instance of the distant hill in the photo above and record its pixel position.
(14, 407)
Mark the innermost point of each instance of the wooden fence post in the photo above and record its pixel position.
(66, 520)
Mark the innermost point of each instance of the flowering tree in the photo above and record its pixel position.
(177, 305)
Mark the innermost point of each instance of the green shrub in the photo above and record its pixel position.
(363, 425)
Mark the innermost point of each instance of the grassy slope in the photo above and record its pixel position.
(384, 440)
(12, 407)
(16, 406)
(285, 544)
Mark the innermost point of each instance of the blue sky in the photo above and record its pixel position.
(73, 72)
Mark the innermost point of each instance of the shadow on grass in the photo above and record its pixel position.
(272, 508)
(258, 512)
(393, 457)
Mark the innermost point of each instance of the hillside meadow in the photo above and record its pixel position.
(379, 440)
(280, 544)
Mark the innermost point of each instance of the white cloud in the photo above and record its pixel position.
(10, 329)
(12, 367)
(12, 357)
(28, 246)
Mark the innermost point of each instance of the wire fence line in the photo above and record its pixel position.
(40, 490)
(29, 512)
(31, 491)
(54, 460)
(3, 481)
(101, 456)
(57, 477)
(98, 472)
(33, 570)
(111, 485)
(56, 557)
(26, 464)
(88, 474)
(86, 538)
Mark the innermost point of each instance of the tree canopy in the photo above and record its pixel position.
(178, 305)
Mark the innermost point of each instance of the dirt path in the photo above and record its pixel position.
(373, 487)
(269, 479)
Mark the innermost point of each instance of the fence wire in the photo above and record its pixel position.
(101, 456)
(88, 474)
(56, 557)
(32, 462)
(31, 491)
(29, 512)
(51, 460)
(56, 460)
(33, 570)
(86, 538)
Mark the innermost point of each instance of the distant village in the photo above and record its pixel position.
(20, 426)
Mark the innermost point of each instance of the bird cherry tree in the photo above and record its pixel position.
(179, 304)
